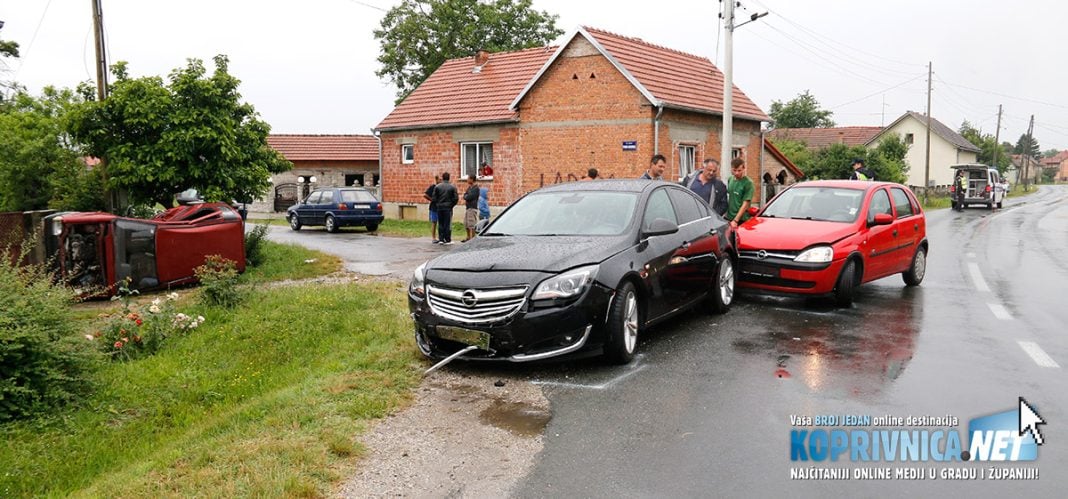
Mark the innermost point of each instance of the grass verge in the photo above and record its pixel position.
(389, 227)
(262, 400)
(290, 261)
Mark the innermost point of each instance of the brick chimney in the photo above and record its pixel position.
(481, 57)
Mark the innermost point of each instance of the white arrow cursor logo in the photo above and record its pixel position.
(1029, 420)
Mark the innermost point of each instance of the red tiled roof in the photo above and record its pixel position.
(676, 78)
(325, 147)
(818, 138)
(1056, 159)
(454, 94)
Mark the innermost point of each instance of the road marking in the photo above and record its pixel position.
(970, 255)
(600, 386)
(1000, 311)
(977, 277)
(1037, 354)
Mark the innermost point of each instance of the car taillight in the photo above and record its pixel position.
(988, 188)
(952, 188)
(378, 207)
(342, 206)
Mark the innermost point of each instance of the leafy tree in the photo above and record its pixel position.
(37, 158)
(417, 36)
(802, 111)
(988, 147)
(7, 49)
(1027, 145)
(1049, 153)
(797, 152)
(160, 138)
(886, 161)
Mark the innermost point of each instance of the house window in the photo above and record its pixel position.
(477, 160)
(686, 160)
(736, 152)
(407, 154)
(908, 139)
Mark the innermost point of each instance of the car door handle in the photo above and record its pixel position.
(685, 245)
(916, 227)
(894, 232)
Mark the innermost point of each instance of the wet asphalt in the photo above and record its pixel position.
(704, 411)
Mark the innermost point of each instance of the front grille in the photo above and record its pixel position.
(789, 255)
(476, 306)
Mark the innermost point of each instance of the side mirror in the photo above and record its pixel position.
(481, 225)
(660, 227)
(752, 211)
(882, 219)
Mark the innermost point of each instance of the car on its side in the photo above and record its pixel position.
(984, 186)
(828, 237)
(336, 207)
(577, 268)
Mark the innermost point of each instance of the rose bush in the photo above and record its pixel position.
(139, 331)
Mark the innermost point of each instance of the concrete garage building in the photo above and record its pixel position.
(333, 160)
(524, 119)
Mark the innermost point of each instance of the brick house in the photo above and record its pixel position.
(333, 160)
(1058, 163)
(524, 119)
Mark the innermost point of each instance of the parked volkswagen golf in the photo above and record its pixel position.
(579, 268)
(828, 237)
(336, 207)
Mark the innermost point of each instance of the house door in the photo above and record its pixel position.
(285, 195)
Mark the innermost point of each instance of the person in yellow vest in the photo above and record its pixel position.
(960, 189)
(859, 172)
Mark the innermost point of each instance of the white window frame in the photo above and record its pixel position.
(407, 154)
(687, 159)
(464, 172)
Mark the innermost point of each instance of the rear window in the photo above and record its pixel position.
(357, 196)
(901, 202)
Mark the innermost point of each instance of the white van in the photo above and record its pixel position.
(984, 185)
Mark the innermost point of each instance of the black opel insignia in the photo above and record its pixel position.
(578, 268)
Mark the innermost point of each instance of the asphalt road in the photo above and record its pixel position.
(706, 408)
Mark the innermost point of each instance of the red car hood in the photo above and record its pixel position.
(789, 234)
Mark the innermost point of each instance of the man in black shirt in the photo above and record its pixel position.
(471, 205)
(445, 198)
(429, 196)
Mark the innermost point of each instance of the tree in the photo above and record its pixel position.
(7, 49)
(886, 161)
(192, 132)
(1027, 145)
(417, 36)
(988, 147)
(38, 162)
(802, 111)
(1049, 153)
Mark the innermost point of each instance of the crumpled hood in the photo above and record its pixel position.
(534, 253)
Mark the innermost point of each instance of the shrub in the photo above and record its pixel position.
(254, 243)
(41, 364)
(136, 332)
(218, 282)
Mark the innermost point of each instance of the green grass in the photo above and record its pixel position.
(936, 202)
(389, 227)
(262, 400)
(290, 261)
(1018, 191)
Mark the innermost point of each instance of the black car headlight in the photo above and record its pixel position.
(418, 285)
(569, 284)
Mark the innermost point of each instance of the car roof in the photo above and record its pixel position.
(608, 185)
(848, 184)
(972, 166)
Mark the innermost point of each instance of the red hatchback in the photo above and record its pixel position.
(828, 237)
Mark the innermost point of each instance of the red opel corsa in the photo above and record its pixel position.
(828, 237)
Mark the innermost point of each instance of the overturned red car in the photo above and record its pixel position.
(94, 252)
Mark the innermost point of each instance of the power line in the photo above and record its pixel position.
(910, 80)
(1025, 99)
(358, 2)
(839, 55)
(821, 56)
(26, 53)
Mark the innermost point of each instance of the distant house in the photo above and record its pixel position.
(331, 160)
(1017, 167)
(523, 119)
(819, 138)
(947, 148)
(1059, 162)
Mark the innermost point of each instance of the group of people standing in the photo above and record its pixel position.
(443, 197)
(731, 200)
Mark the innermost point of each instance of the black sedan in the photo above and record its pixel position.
(578, 268)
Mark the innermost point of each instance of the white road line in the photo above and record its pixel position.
(1037, 354)
(1000, 311)
(977, 277)
(970, 255)
(600, 386)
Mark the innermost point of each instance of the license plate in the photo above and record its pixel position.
(361, 207)
(760, 270)
(480, 339)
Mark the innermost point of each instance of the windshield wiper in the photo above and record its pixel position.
(800, 218)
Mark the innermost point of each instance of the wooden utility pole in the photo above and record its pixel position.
(101, 60)
(997, 139)
(927, 157)
(1027, 154)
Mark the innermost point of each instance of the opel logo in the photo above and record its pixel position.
(762, 254)
(469, 299)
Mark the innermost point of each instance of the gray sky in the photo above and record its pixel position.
(308, 67)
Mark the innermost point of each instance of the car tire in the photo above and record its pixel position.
(294, 222)
(917, 269)
(722, 293)
(372, 227)
(331, 224)
(845, 289)
(623, 323)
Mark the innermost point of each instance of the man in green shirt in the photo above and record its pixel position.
(739, 193)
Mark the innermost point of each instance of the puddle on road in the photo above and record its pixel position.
(517, 417)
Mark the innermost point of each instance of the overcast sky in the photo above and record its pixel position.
(308, 66)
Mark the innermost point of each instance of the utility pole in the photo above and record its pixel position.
(101, 60)
(997, 139)
(726, 140)
(1027, 154)
(927, 157)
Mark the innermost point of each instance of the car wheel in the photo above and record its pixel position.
(294, 222)
(847, 284)
(999, 204)
(990, 205)
(914, 275)
(722, 293)
(331, 224)
(372, 227)
(623, 324)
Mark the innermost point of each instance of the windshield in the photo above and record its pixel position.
(830, 204)
(567, 213)
(357, 196)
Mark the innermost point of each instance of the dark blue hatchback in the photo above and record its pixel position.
(337, 207)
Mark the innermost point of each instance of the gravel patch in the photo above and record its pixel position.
(468, 434)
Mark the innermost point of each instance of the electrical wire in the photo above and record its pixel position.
(829, 60)
(910, 80)
(26, 53)
(1025, 99)
(358, 2)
